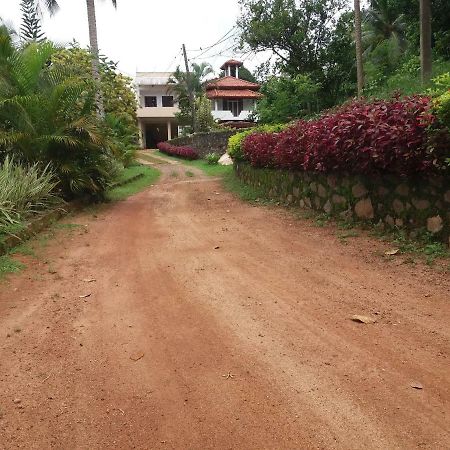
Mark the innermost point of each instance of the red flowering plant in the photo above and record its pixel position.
(259, 148)
(384, 136)
(181, 152)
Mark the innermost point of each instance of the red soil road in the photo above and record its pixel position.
(213, 324)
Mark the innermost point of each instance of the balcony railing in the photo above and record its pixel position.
(159, 111)
(228, 115)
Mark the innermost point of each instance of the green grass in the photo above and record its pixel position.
(151, 175)
(9, 265)
(189, 173)
(7, 230)
(23, 249)
(215, 170)
(247, 193)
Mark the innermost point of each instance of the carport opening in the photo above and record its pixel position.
(155, 133)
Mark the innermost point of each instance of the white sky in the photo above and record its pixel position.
(144, 35)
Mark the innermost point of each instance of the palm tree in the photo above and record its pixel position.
(358, 45)
(425, 40)
(381, 23)
(94, 50)
(182, 85)
(47, 116)
(52, 6)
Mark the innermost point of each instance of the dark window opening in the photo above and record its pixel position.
(150, 101)
(235, 106)
(167, 101)
(233, 71)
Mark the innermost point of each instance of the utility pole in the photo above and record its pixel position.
(189, 87)
(358, 45)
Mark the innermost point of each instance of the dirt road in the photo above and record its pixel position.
(213, 324)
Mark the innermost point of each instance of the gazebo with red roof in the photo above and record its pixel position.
(233, 99)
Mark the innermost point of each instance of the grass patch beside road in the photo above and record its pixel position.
(212, 170)
(151, 175)
(9, 265)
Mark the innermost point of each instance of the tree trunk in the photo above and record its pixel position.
(358, 45)
(95, 56)
(425, 40)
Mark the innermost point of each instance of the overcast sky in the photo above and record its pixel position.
(145, 35)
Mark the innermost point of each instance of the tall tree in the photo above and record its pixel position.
(30, 28)
(358, 45)
(52, 5)
(425, 40)
(298, 33)
(383, 22)
(93, 40)
(182, 85)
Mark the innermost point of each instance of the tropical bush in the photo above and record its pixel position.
(48, 115)
(383, 136)
(122, 138)
(235, 141)
(181, 152)
(212, 158)
(24, 190)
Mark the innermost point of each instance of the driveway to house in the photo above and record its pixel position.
(183, 318)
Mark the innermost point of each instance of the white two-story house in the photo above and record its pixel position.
(232, 99)
(157, 108)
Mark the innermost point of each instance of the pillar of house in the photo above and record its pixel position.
(216, 105)
(141, 134)
(237, 71)
(169, 130)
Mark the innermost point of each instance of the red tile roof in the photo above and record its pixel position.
(232, 93)
(232, 62)
(232, 83)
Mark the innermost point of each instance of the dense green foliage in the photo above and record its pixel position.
(48, 116)
(24, 190)
(205, 120)
(315, 39)
(286, 98)
(119, 99)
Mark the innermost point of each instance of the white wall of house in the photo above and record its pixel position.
(155, 84)
(219, 113)
(156, 91)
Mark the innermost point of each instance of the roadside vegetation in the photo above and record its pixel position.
(149, 177)
(213, 170)
(56, 143)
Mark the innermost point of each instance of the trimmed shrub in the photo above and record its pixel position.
(181, 152)
(259, 149)
(212, 158)
(382, 136)
(235, 141)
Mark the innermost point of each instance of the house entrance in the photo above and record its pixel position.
(155, 133)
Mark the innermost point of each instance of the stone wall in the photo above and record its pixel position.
(388, 201)
(204, 143)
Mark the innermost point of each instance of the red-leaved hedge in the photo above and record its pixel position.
(182, 152)
(360, 137)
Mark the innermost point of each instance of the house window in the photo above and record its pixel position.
(167, 101)
(150, 101)
(235, 106)
(233, 71)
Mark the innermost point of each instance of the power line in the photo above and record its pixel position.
(173, 60)
(220, 41)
